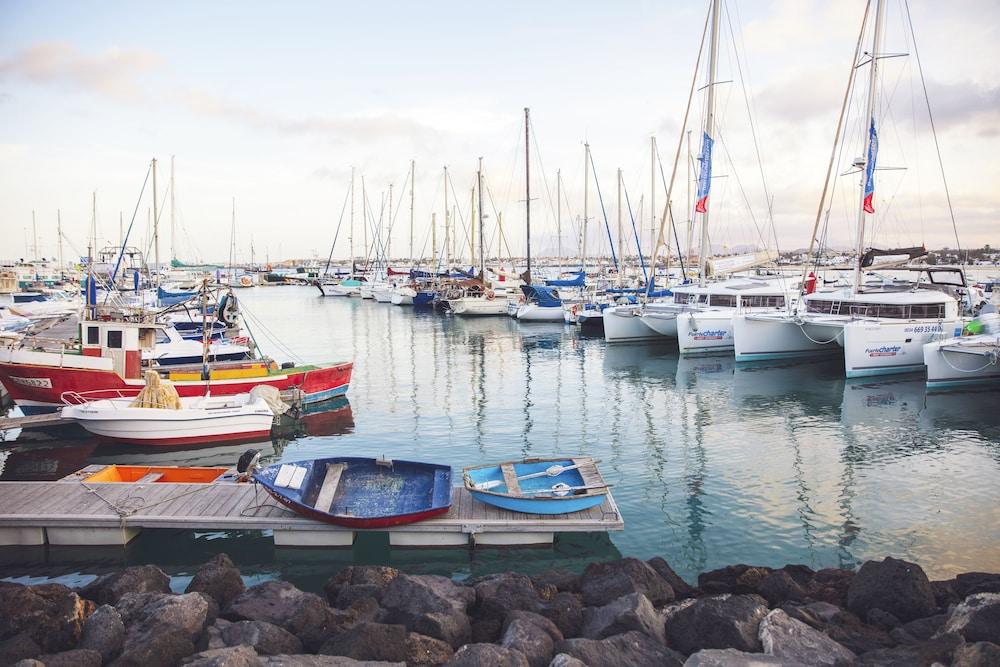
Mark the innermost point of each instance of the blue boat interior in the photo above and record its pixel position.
(546, 297)
(493, 473)
(363, 488)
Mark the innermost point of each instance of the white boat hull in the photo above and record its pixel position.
(403, 296)
(382, 294)
(705, 332)
(878, 347)
(766, 337)
(478, 307)
(624, 324)
(963, 362)
(532, 312)
(113, 421)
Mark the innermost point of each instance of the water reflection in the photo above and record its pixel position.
(712, 462)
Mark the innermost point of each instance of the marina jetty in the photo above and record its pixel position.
(626, 612)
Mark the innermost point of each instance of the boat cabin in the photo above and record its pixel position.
(932, 296)
(122, 342)
(741, 294)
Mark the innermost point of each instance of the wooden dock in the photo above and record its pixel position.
(34, 421)
(72, 512)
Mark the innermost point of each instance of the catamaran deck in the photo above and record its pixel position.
(71, 512)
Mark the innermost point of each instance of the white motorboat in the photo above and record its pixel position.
(191, 420)
(402, 295)
(966, 361)
(172, 348)
(541, 304)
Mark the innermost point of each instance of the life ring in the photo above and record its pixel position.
(490, 295)
(246, 281)
(576, 308)
(521, 299)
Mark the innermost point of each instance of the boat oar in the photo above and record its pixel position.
(561, 489)
(551, 471)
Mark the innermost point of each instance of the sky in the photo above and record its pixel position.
(273, 104)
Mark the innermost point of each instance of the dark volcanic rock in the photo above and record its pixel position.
(919, 630)
(104, 632)
(779, 586)
(424, 651)
(847, 629)
(265, 638)
(980, 654)
(566, 611)
(18, 647)
(632, 649)
(531, 634)
(562, 580)
(680, 587)
(732, 579)
(629, 612)
(487, 655)
(893, 585)
(882, 619)
(977, 618)
(796, 642)
(282, 604)
(830, 585)
(937, 650)
(565, 660)
(108, 589)
(369, 641)
(322, 661)
(50, 614)
(721, 621)
(236, 656)
(498, 594)
(219, 579)
(730, 657)
(971, 583)
(358, 581)
(602, 583)
(430, 605)
(486, 631)
(161, 629)
(814, 614)
(79, 657)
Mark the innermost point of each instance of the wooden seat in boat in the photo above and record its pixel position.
(324, 501)
(149, 478)
(510, 479)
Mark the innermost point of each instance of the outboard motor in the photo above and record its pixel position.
(248, 462)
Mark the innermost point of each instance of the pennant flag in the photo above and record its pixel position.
(870, 168)
(705, 175)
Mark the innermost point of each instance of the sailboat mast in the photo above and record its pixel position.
(447, 230)
(482, 248)
(559, 218)
(690, 218)
(388, 235)
(434, 235)
(156, 230)
(472, 224)
(413, 174)
(59, 234)
(527, 189)
(621, 235)
(350, 235)
(34, 235)
(173, 214)
(870, 118)
(364, 218)
(586, 203)
(652, 196)
(93, 223)
(713, 61)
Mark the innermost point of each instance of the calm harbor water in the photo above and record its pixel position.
(711, 463)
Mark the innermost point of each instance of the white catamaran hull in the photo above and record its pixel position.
(624, 324)
(873, 347)
(963, 362)
(762, 337)
(532, 312)
(705, 332)
(478, 306)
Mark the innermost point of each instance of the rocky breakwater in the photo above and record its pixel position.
(620, 613)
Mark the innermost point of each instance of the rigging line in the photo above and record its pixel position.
(541, 169)
(337, 233)
(837, 144)
(673, 226)
(121, 252)
(502, 240)
(930, 116)
(607, 225)
(680, 142)
(635, 232)
(751, 117)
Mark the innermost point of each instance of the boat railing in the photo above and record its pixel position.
(83, 397)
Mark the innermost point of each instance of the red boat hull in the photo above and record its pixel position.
(254, 436)
(349, 522)
(38, 388)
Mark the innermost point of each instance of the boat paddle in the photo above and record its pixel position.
(562, 489)
(551, 471)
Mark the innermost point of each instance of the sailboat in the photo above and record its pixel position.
(880, 324)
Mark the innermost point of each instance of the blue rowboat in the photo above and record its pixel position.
(538, 486)
(360, 492)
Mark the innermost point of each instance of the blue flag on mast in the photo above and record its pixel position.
(870, 168)
(705, 173)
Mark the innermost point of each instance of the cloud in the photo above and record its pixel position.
(114, 73)
(965, 102)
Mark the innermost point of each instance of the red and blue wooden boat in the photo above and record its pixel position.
(360, 492)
